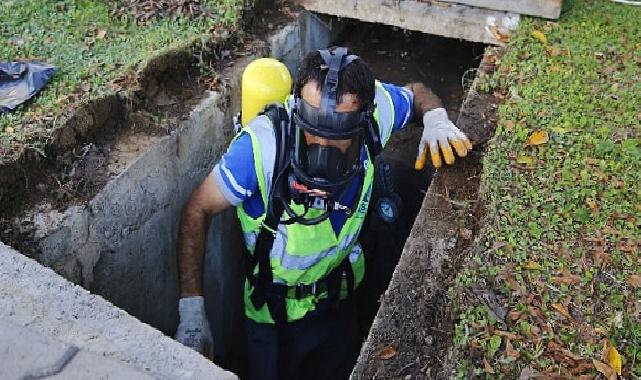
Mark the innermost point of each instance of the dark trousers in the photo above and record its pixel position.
(317, 347)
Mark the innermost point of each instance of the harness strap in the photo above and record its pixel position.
(264, 288)
(264, 291)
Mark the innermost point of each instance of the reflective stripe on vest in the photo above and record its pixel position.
(305, 254)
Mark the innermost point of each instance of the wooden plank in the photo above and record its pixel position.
(543, 8)
(448, 20)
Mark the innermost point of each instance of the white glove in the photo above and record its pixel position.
(439, 131)
(193, 329)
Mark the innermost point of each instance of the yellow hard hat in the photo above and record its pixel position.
(265, 81)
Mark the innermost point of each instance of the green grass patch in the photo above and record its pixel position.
(562, 233)
(90, 49)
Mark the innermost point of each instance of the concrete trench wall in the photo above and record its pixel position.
(121, 244)
(414, 318)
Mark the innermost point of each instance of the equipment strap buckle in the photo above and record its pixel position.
(268, 228)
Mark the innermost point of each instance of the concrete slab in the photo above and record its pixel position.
(544, 8)
(85, 365)
(27, 354)
(443, 19)
(35, 298)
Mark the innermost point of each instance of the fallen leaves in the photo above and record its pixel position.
(500, 35)
(563, 310)
(524, 159)
(605, 369)
(387, 353)
(566, 278)
(532, 265)
(540, 36)
(614, 359)
(634, 281)
(510, 351)
(487, 367)
(538, 137)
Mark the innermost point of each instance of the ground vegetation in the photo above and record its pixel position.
(557, 263)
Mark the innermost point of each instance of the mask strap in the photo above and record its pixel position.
(330, 87)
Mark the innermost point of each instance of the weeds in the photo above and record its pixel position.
(91, 50)
(565, 213)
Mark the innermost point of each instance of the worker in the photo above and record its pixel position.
(301, 178)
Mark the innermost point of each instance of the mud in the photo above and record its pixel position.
(411, 337)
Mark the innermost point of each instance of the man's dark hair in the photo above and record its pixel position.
(356, 78)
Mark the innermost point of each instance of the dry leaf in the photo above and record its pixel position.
(614, 359)
(508, 125)
(525, 160)
(538, 138)
(605, 369)
(387, 353)
(532, 265)
(562, 310)
(566, 278)
(498, 34)
(634, 281)
(540, 36)
(487, 367)
(510, 351)
(514, 315)
(101, 34)
(466, 233)
(508, 335)
(600, 330)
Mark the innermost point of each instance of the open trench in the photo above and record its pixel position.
(115, 233)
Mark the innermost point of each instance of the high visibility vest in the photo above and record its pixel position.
(305, 254)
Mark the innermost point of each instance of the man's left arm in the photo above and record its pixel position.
(438, 130)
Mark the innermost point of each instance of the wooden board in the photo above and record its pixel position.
(443, 19)
(543, 8)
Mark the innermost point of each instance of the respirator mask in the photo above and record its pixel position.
(326, 146)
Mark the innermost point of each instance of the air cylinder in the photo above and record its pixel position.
(265, 81)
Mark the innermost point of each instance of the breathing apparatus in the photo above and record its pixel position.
(320, 174)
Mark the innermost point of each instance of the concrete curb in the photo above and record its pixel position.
(59, 315)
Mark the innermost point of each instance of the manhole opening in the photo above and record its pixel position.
(135, 263)
(400, 57)
(396, 56)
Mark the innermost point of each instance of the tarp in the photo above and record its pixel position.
(19, 81)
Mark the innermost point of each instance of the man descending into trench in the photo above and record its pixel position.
(301, 179)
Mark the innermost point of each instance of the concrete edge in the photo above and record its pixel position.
(36, 298)
(434, 236)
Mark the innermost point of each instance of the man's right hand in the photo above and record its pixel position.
(193, 329)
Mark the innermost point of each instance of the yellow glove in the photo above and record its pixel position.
(440, 132)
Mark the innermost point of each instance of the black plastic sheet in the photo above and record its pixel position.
(19, 81)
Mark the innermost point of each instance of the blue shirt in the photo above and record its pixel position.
(235, 173)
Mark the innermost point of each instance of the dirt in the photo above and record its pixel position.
(99, 140)
(146, 10)
(411, 337)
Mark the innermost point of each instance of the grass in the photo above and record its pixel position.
(90, 49)
(560, 248)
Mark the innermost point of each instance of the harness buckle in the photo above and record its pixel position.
(268, 228)
(303, 290)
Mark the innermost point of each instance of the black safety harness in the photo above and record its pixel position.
(258, 265)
